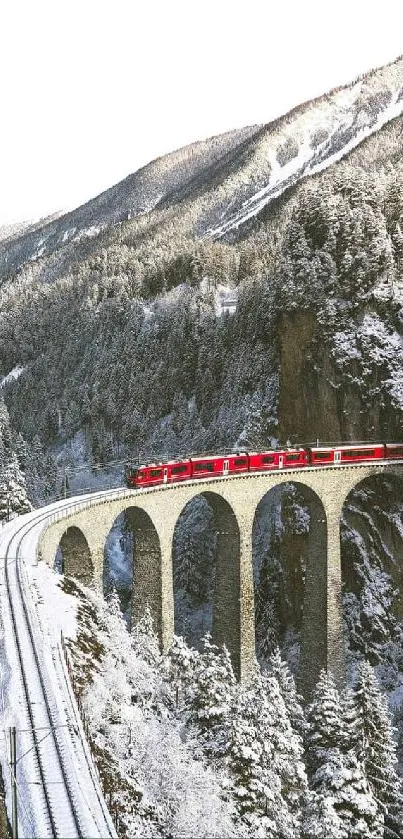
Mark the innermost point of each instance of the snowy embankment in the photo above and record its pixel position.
(57, 786)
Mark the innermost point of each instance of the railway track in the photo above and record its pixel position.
(60, 792)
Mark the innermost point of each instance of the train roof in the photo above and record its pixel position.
(354, 446)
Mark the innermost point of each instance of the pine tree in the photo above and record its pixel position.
(180, 663)
(320, 820)
(265, 758)
(377, 748)
(214, 686)
(13, 491)
(21, 450)
(336, 773)
(288, 691)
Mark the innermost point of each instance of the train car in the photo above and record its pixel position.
(208, 467)
(177, 471)
(320, 455)
(277, 459)
(359, 452)
(394, 451)
(363, 452)
(153, 474)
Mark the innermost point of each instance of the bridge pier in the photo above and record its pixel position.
(247, 644)
(147, 571)
(322, 642)
(166, 625)
(76, 556)
(336, 658)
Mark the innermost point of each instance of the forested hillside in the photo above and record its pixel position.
(119, 334)
(240, 292)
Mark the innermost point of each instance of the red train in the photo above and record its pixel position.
(291, 458)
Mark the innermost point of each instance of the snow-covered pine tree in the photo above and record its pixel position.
(267, 620)
(377, 748)
(179, 665)
(212, 695)
(40, 471)
(194, 546)
(288, 691)
(21, 449)
(325, 725)
(337, 775)
(265, 758)
(144, 639)
(13, 493)
(320, 820)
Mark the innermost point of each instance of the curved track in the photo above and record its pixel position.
(60, 788)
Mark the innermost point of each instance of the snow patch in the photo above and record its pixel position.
(61, 608)
(38, 253)
(68, 233)
(13, 375)
(87, 233)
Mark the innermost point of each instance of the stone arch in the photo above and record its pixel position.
(299, 536)
(147, 574)
(371, 536)
(76, 560)
(226, 619)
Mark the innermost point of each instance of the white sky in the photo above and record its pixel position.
(93, 89)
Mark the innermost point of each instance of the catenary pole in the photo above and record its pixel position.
(13, 765)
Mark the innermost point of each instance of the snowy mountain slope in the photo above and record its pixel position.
(137, 194)
(342, 126)
(227, 179)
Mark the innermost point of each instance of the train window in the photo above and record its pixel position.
(204, 467)
(397, 450)
(358, 453)
(155, 473)
(241, 461)
(290, 457)
(178, 470)
(268, 458)
(322, 455)
(131, 472)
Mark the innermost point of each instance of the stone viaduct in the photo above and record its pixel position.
(153, 514)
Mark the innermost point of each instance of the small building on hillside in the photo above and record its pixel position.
(228, 301)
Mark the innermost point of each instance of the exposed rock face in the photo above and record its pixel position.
(316, 399)
(308, 405)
